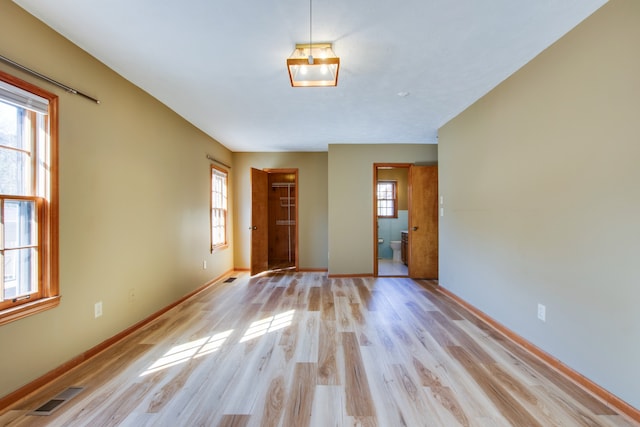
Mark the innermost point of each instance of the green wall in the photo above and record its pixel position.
(134, 205)
(351, 199)
(312, 206)
(541, 200)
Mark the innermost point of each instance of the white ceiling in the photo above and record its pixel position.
(221, 63)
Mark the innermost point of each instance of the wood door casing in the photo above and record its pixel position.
(423, 222)
(259, 221)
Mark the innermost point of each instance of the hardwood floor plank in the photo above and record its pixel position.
(301, 395)
(443, 395)
(387, 409)
(250, 385)
(359, 401)
(315, 299)
(446, 399)
(291, 289)
(363, 293)
(171, 388)
(382, 306)
(328, 304)
(118, 409)
(274, 403)
(328, 407)
(307, 349)
(274, 300)
(444, 306)
(327, 355)
(343, 314)
(230, 420)
(442, 337)
(461, 337)
(289, 338)
(417, 409)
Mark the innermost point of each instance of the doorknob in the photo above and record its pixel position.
(253, 228)
(414, 228)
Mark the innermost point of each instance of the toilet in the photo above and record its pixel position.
(395, 247)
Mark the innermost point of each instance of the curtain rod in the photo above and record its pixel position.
(213, 159)
(48, 79)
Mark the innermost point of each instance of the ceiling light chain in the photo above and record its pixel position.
(307, 70)
(310, 31)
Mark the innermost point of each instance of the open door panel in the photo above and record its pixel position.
(423, 222)
(259, 221)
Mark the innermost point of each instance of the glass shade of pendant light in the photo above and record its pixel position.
(313, 65)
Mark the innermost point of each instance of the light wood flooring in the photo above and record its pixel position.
(299, 349)
(388, 267)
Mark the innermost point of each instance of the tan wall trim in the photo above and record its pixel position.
(34, 385)
(609, 398)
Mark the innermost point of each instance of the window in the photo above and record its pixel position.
(218, 208)
(28, 199)
(387, 199)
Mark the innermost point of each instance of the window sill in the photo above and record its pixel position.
(219, 248)
(24, 310)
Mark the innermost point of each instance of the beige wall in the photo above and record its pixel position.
(351, 199)
(401, 176)
(312, 206)
(134, 205)
(542, 205)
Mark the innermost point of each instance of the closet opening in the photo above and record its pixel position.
(283, 219)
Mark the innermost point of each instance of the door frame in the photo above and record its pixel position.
(376, 166)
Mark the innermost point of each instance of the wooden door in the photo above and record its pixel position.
(259, 221)
(423, 222)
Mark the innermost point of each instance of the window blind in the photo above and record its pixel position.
(22, 98)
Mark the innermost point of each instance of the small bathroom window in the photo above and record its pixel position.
(387, 198)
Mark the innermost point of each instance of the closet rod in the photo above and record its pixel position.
(48, 79)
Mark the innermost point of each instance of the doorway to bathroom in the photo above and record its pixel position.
(405, 220)
(391, 188)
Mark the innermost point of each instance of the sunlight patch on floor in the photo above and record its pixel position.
(270, 324)
(191, 350)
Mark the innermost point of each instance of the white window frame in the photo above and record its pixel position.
(383, 199)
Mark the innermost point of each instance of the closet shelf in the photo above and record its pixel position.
(286, 202)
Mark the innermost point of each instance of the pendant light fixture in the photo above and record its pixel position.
(313, 65)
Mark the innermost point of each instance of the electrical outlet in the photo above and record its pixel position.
(204, 264)
(542, 312)
(97, 309)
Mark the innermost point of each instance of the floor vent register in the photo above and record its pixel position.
(54, 404)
